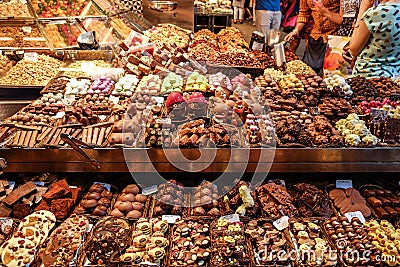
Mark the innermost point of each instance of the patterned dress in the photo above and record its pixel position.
(381, 55)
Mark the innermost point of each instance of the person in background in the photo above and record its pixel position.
(268, 13)
(238, 11)
(247, 9)
(376, 40)
(322, 27)
(253, 6)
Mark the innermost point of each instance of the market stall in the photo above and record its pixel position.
(145, 101)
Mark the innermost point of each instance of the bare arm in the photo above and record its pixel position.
(359, 39)
(302, 20)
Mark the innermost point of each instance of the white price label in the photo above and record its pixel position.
(150, 190)
(164, 120)
(59, 115)
(38, 183)
(171, 219)
(232, 218)
(73, 186)
(27, 29)
(114, 99)
(106, 186)
(159, 99)
(281, 223)
(355, 214)
(102, 117)
(344, 184)
(31, 56)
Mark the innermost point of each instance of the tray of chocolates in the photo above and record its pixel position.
(311, 201)
(205, 203)
(230, 246)
(351, 235)
(62, 247)
(131, 204)
(270, 246)
(383, 203)
(60, 199)
(348, 200)
(97, 202)
(149, 244)
(169, 199)
(191, 244)
(308, 236)
(241, 200)
(22, 200)
(386, 239)
(275, 201)
(105, 243)
(53, 138)
(21, 248)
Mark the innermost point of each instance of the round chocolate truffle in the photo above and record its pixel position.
(100, 210)
(125, 207)
(93, 195)
(80, 210)
(89, 203)
(96, 188)
(137, 206)
(127, 197)
(140, 198)
(117, 213)
(134, 214)
(132, 188)
(107, 194)
(104, 201)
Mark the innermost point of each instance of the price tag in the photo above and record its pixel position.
(39, 183)
(90, 226)
(59, 115)
(355, 214)
(171, 219)
(107, 186)
(150, 190)
(73, 186)
(281, 223)
(159, 99)
(344, 184)
(164, 120)
(378, 115)
(27, 29)
(6, 222)
(31, 56)
(232, 218)
(114, 99)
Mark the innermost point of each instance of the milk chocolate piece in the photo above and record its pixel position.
(392, 212)
(373, 201)
(4, 210)
(19, 193)
(21, 210)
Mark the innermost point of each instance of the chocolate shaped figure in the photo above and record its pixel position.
(197, 105)
(176, 107)
(221, 112)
